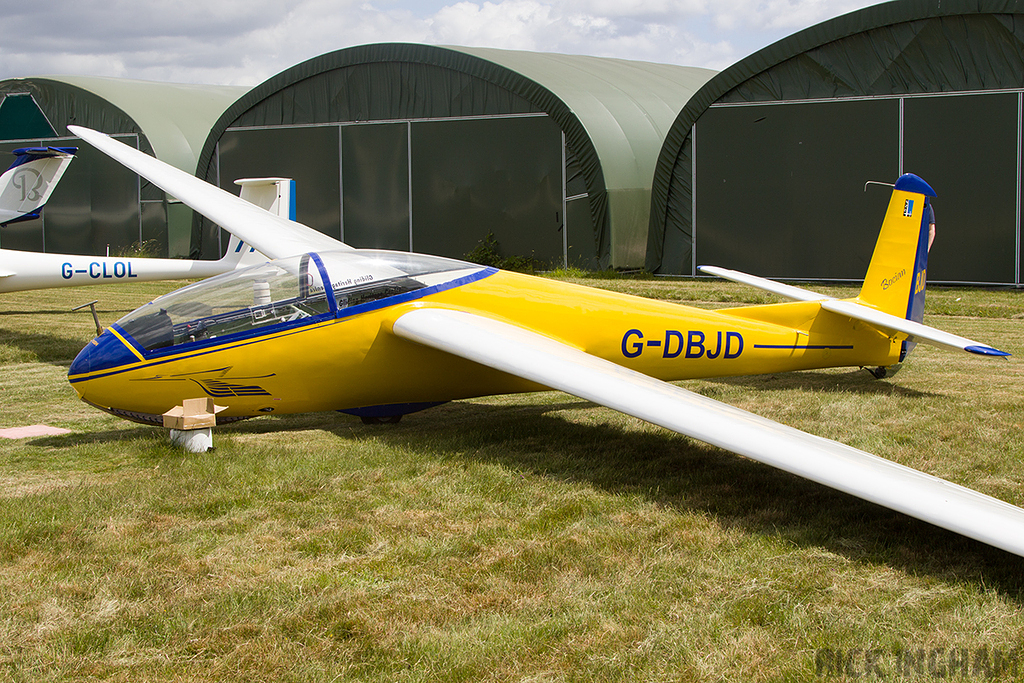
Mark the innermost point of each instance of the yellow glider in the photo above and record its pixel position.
(380, 334)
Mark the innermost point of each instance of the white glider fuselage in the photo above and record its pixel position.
(26, 270)
(29, 183)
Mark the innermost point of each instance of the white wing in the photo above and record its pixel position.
(554, 364)
(271, 235)
(787, 291)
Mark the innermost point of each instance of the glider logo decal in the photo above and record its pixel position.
(908, 208)
(218, 386)
(220, 389)
(889, 282)
(31, 184)
(693, 343)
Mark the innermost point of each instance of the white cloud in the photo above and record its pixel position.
(519, 24)
(775, 15)
(247, 41)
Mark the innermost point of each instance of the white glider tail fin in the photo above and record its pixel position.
(276, 195)
(27, 185)
(240, 255)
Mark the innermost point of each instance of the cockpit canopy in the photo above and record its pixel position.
(287, 292)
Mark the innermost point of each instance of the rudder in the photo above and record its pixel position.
(895, 281)
(26, 186)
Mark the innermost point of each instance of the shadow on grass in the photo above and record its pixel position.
(536, 436)
(857, 381)
(688, 476)
(35, 311)
(85, 438)
(47, 348)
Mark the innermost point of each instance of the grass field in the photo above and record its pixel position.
(514, 538)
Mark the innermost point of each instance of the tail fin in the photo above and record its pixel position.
(26, 186)
(241, 255)
(276, 195)
(892, 297)
(895, 281)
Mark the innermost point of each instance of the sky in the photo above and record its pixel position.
(244, 42)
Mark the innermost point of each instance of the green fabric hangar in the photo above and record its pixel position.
(432, 149)
(100, 206)
(764, 169)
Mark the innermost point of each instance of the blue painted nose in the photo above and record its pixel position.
(102, 353)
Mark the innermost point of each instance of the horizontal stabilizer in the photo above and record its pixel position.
(27, 154)
(916, 331)
(551, 363)
(787, 291)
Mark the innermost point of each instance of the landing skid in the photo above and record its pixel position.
(881, 372)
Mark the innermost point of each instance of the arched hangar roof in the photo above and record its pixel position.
(614, 113)
(904, 47)
(172, 119)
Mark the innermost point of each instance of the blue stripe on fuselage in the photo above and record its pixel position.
(207, 346)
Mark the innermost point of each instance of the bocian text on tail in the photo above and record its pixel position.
(896, 276)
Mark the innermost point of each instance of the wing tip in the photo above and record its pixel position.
(983, 350)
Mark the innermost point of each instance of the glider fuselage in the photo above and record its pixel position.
(349, 359)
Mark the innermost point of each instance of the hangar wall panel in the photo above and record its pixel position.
(472, 177)
(308, 154)
(464, 178)
(376, 186)
(828, 150)
(955, 70)
(780, 188)
(976, 212)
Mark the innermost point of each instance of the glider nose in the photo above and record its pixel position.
(102, 353)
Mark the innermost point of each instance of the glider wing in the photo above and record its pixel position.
(551, 363)
(787, 291)
(272, 235)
